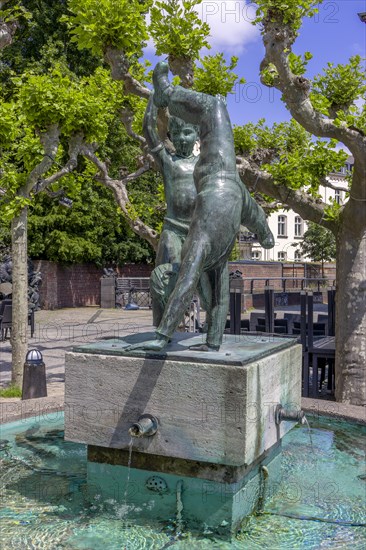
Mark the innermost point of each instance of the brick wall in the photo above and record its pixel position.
(77, 285)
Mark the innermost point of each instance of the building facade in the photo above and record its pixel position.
(288, 227)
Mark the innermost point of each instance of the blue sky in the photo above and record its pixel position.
(334, 34)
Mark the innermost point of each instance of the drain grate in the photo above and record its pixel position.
(157, 484)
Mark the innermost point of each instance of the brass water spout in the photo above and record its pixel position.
(145, 426)
(291, 415)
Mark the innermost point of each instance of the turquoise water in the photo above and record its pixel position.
(319, 504)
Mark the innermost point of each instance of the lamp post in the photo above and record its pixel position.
(34, 376)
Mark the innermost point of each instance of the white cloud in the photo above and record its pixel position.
(230, 24)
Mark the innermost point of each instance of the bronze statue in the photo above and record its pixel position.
(180, 195)
(221, 205)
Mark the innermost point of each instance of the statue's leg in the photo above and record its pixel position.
(220, 305)
(187, 104)
(254, 218)
(169, 249)
(189, 275)
(204, 291)
(169, 252)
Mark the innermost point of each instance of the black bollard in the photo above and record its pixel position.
(34, 376)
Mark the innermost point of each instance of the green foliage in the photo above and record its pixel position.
(93, 230)
(5, 236)
(97, 24)
(215, 76)
(11, 391)
(289, 153)
(289, 12)
(8, 124)
(177, 30)
(269, 74)
(298, 63)
(318, 244)
(340, 85)
(40, 42)
(14, 11)
(332, 210)
(282, 137)
(85, 104)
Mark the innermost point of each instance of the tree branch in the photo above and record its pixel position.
(302, 203)
(50, 141)
(326, 183)
(127, 115)
(121, 195)
(278, 39)
(74, 150)
(120, 67)
(184, 68)
(7, 30)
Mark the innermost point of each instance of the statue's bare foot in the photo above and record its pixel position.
(150, 345)
(161, 84)
(204, 347)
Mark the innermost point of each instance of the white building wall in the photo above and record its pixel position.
(284, 249)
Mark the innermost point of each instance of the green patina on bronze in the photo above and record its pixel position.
(222, 203)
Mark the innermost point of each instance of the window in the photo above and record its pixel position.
(297, 256)
(282, 226)
(256, 254)
(338, 196)
(298, 226)
(281, 256)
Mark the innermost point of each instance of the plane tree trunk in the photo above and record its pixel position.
(19, 332)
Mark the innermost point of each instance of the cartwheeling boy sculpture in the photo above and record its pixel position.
(222, 203)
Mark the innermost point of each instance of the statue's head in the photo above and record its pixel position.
(183, 136)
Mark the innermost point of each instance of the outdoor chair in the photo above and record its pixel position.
(5, 302)
(6, 311)
(322, 318)
(244, 325)
(318, 349)
(5, 321)
(318, 328)
(280, 325)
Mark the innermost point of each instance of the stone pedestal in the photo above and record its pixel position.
(215, 412)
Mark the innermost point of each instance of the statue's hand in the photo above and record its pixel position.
(150, 345)
(161, 84)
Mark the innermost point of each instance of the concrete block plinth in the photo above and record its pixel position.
(215, 407)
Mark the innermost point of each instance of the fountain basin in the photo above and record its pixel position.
(47, 501)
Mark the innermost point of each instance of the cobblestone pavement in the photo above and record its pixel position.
(59, 330)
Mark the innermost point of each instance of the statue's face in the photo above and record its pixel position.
(183, 139)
